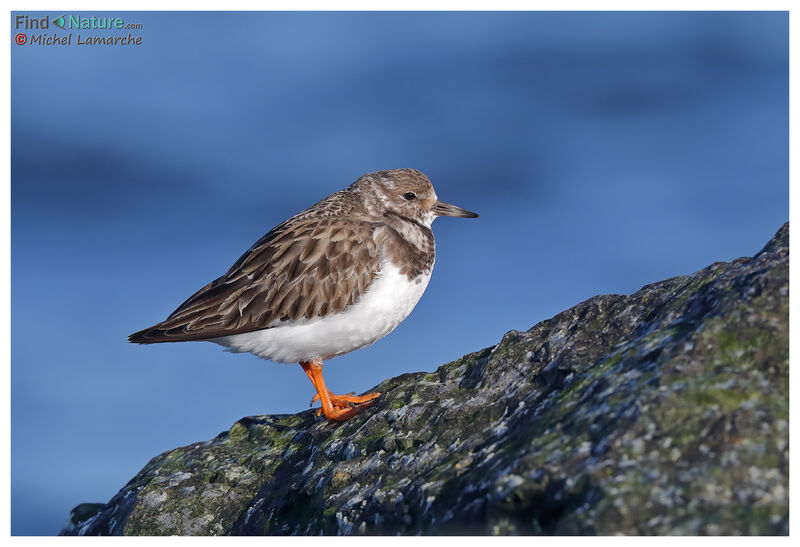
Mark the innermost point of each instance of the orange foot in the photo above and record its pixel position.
(335, 407)
(349, 401)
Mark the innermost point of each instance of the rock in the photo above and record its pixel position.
(662, 412)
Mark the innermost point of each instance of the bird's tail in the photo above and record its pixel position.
(150, 335)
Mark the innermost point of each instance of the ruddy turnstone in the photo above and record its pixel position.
(332, 279)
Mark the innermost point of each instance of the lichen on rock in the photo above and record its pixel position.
(661, 412)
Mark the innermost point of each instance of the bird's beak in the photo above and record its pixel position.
(442, 209)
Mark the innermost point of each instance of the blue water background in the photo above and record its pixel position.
(604, 151)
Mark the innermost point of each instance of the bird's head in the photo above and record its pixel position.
(409, 193)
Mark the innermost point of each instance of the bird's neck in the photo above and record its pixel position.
(409, 245)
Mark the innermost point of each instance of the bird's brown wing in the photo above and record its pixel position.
(306, 267)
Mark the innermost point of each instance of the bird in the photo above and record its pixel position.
(332, 279)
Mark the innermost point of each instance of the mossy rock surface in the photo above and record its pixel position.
(662, 412)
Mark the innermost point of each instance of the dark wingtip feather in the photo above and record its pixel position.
(150, 335)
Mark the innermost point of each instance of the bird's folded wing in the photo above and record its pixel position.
(301, 269)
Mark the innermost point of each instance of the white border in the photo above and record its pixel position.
(302, 5)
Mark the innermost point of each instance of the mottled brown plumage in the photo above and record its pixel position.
(334, 278)
(315, 264)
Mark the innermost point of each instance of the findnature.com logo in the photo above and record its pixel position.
(75, 22)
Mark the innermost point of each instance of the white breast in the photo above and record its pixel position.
(383, 306)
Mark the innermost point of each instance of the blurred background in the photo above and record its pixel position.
(604, 151)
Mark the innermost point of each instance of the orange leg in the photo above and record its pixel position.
(335, 407)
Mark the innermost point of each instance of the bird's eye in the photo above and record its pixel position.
(408, 196)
